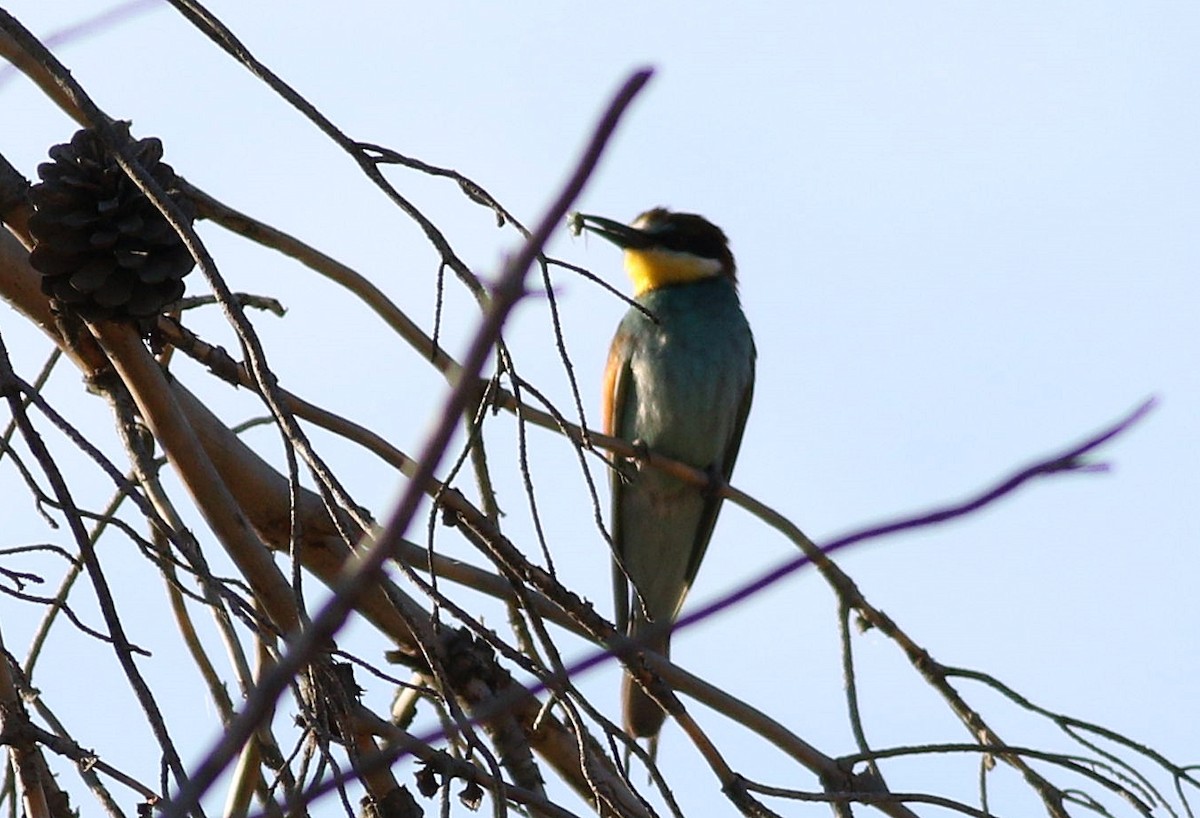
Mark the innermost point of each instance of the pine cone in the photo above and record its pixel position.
(103, 249)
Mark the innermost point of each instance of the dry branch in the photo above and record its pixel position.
(259, 513)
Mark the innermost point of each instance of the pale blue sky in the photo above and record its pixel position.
(966, 237)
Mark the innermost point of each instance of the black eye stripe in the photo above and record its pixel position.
(686, 233)
(704, 244)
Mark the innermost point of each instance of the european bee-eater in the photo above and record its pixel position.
(679, 380)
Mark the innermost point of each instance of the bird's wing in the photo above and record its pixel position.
(708, 520)
(615, 400)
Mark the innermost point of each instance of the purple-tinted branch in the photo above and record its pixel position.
(508, 290)
(1068, 460)
(84, 29)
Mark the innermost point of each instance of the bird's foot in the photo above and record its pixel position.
(627, 468)
(641, 451)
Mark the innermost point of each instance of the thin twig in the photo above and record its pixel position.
(121, 644)
(507, 292)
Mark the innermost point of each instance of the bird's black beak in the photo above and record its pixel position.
(622, 235)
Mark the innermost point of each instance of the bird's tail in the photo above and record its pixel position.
(643, 716)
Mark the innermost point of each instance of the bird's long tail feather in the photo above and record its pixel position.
(643, 716)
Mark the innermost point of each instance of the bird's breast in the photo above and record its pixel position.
(690, 369)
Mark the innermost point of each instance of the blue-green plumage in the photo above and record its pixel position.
(679, 380)
(683, 390)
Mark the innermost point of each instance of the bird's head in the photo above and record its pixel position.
(664, 248)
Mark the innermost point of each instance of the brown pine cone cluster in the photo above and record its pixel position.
(104, 250)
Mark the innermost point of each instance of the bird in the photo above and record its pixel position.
(679, 382)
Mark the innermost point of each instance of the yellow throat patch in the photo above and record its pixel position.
(651, 269)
